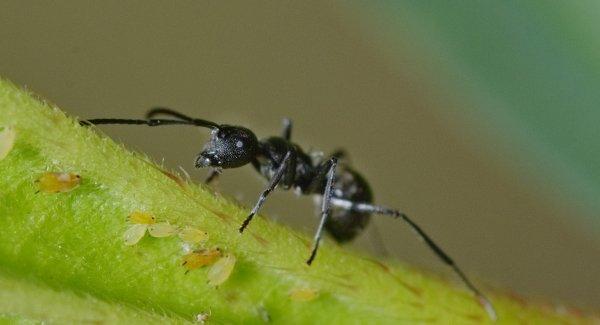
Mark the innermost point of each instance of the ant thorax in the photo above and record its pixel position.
(298, 173)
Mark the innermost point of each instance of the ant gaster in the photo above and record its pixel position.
(346, 198)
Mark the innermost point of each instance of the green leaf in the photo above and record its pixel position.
(63, 258)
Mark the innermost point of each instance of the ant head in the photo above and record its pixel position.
(229, 147)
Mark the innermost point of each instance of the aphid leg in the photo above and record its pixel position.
(213, 173)
(329, 168)
(287, 129)
(370, 208)
(272, 184)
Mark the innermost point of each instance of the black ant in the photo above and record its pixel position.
(346, 198)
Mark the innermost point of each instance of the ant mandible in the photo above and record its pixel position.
(346, 198)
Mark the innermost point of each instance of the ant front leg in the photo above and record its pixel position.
(272, 184)
(329, 169)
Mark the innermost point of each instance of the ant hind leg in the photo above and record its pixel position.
(375, 209)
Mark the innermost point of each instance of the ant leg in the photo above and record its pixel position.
(329, 166)
(272, 184)
(287, 129)
(370, 208)
(213, 173)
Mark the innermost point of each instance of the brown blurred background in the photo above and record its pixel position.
(253, 64)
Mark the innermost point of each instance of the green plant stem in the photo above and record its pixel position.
(62, 255)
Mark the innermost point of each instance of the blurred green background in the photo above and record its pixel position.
(479, 119)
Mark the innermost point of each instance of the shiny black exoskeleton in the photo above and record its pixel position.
(346, 198)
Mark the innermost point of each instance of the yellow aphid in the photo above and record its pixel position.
(134, 234)
(7, 140)
(221, 270)
(200, 258)
(58, 182)
(193, 235)
(143, 218)
(161, 229)
(303, 294)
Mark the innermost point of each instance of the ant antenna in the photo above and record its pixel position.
(169, 112)
(182, 119)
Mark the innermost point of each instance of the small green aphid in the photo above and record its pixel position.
(200, 258)
(221, 270)
(134, 234)
(303, 294)
(193, 236)
(162, 229)
(139, 217)
(58, 182)
(142, 222)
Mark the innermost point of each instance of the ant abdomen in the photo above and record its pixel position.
(345, 224)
